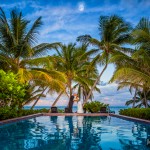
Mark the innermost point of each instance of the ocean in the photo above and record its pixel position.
(113, 108)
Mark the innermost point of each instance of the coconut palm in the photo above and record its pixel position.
(132, 70)
(141, 34)
(139, 99)
(135, 69)
(20, 54)
(91, 74)
(132, 87)
(76, 64)
(114, 33)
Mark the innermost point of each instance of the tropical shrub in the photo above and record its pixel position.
(94, 106)
(12, 92)
(8, 113)
(143, 113)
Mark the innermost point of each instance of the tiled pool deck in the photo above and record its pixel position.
(73, 114)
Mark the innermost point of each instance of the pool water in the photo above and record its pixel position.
(74, 133)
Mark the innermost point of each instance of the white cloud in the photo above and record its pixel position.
(109, 95)
(19, 5)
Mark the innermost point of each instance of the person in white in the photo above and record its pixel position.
(79, 104)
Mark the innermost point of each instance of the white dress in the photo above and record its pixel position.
(79, 107)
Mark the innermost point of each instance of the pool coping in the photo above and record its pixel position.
(75, 114)
(131, 118)
(7, 121)
(72, 114)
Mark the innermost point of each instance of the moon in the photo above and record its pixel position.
(81, 7)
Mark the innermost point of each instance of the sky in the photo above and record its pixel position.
(65, 20)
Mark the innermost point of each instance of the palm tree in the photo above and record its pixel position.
(20, 54)
(32, 93)
(135, 69)
(90, 74)
(132, 87)
(75, 62)
(114, 33)
(141, 34)
(139, 99)
(132, 70)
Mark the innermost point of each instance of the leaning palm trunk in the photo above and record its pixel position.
(134, 99)
(60, 94)
(145, 100)
(56, 100)
(38, 98)
(94, 85)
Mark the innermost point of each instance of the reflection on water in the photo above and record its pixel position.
(74, 133)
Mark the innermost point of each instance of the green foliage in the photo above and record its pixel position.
(94, 106)
(8, 113)
(20, 53)
(11, 91)
(143, 113)
(61, 111)
(134, 70)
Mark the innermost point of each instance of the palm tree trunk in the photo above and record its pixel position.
(56, 100)
(70, 88)
(145, 100)
(70, 103)
(134, 98)
(38, 98)
(94, 85)
(66, 94)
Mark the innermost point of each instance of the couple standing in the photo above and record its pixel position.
(79, 104)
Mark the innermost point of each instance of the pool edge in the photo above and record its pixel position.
(72, 114)
(75, 114)
(131, 118)
(7, 121)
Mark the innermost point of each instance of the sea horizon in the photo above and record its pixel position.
(113, 108)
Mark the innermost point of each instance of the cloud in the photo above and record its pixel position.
(108, 95)
(63, 23)
(19, 5)
(76, 19)
(69, 18)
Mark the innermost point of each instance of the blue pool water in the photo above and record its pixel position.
(74, 133)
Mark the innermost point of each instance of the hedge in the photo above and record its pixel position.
(8, 113)
(142, 113)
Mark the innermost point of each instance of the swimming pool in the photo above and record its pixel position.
(74, 133)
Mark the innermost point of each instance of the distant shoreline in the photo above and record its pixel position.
(76, 106)
(113, 108)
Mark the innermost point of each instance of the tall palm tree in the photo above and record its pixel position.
(114, 33)
(75, 63)
(135, 69)
(20, 54)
